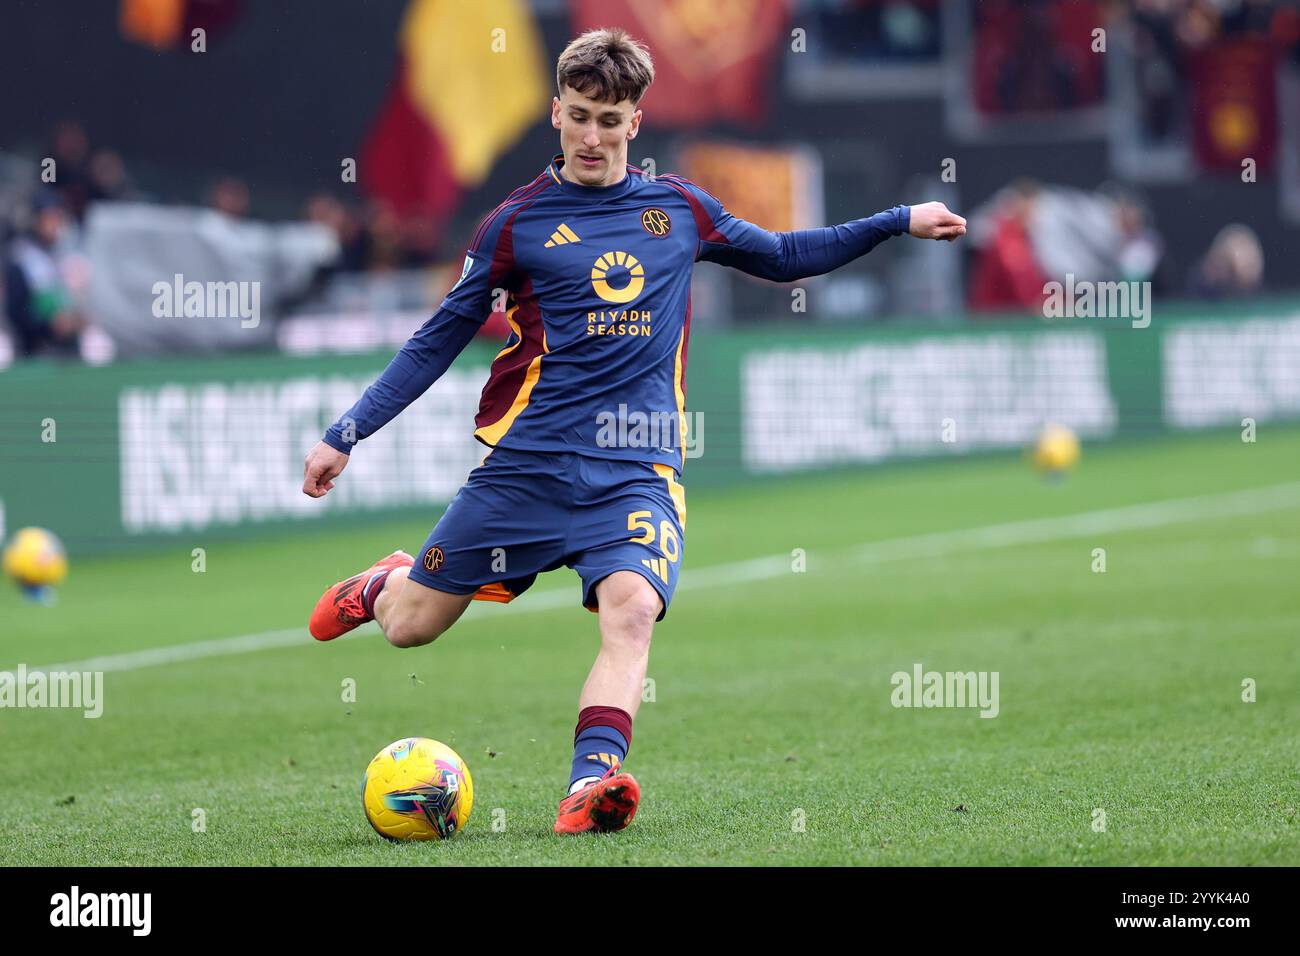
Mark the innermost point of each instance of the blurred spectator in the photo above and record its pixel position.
(1033, 56)
(386, 253)
(1159, 73)
(1232, 268)
(108, 179)
(229, 195)
(420, 242)
(38, 301)
(1139, 249)
(354, 242)
(72, 181)
(1006, 274)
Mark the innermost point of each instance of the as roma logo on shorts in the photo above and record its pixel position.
(433, 558)
(656, 222)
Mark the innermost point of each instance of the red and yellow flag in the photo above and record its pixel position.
(470, 80)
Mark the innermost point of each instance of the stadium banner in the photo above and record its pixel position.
(144, 452)
(1223, 372)
(813, 406)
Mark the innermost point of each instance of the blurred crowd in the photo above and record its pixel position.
(372, 237)
(1168, 34)
(1180, 26)
(44, 279)
(1025, 57)
(1034, 57)
(1029, 234)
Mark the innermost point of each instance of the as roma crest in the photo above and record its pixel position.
(433, 558)
(656, 222)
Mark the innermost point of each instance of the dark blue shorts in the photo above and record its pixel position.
(521, 513)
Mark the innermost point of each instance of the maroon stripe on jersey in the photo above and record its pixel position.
(501, 267)
(523, 192)
(503, 256)
(510, 369)
(703, 221)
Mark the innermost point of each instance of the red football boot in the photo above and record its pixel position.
(608, 804)
(339, 609)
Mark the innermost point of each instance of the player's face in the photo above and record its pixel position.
(594, 137)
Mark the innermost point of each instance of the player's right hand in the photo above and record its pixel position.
(932, 220)
(322, 466)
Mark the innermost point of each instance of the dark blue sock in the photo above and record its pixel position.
(600, 742)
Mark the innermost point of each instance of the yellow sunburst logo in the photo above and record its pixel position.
(601, 268)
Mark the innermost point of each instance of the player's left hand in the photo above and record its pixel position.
(932, 220)
(324, 463)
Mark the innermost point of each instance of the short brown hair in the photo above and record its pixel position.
(606, 65)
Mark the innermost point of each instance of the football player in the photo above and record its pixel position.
(595, 258)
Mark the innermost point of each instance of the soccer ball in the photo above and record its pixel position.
(417, 789)
(35, 559)
(1057, 450)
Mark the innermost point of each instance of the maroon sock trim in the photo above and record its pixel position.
(601, 716)
(368, 601)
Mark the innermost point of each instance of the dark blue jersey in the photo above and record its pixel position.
(596, 286)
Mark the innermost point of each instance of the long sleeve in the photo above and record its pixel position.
(489, 266)
(786, 256)
(422, 360)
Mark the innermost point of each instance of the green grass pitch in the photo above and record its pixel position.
(771, 738)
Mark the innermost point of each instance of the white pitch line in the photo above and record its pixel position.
(153, 656)
(1153, 514)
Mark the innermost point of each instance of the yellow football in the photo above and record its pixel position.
(35, 558)
(1057, 450)
(417, 789)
